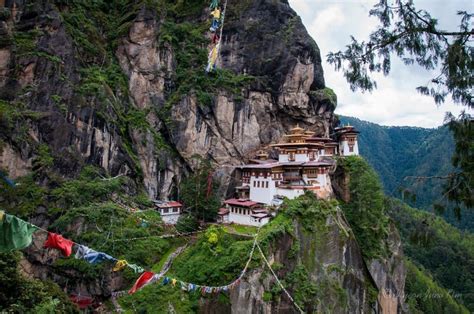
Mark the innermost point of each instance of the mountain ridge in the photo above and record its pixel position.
(400, 155)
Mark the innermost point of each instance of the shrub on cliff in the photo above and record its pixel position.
(21, 295)
(365, 211)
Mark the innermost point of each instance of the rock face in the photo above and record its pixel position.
(389, 275)
(328, 266)
(279, 53)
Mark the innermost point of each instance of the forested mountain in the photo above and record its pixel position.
(441, 250)
(401, 154)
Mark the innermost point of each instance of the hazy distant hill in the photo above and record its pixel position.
(398, 152)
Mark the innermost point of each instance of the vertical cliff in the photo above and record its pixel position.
(121, 85)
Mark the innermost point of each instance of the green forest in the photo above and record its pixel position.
(401, 154)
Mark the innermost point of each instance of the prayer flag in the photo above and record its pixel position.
(121, 264)
(15, 234)
(143, 280)
(137, 269)
(56, 241)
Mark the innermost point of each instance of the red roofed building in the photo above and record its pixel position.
(169, 211)
(244, 212)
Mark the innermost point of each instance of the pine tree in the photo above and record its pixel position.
(199, 192)
(414, 36)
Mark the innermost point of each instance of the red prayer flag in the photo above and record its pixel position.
(56, 241)
(144, 278)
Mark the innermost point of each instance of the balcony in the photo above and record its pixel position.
(292, 177)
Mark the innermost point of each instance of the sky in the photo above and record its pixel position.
(395, 101)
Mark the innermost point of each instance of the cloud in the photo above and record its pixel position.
(396, 101)
(326, 19)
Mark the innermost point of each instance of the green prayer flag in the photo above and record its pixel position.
(136, 268)
(15, 234)
(214, 4)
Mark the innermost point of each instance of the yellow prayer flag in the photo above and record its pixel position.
(216, 14)
(120, 265)
(173, 282)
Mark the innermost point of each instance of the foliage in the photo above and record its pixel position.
(414, 36)
(211, 262)
(160, 299)
(275, 229)
(97, 26)
(187, 223)
(25, 42)
(95, 78)
(43, 160)
(190, 45)
(85, 189)
(215, 259)
(423, 295)
(309, 210)
(460, 185)
(365, 211)
(13, 120)
(312, 214)
(198, 193)
(306, 291)
(23, 199)
(412, 163)
(96, 29)
(112, 229)
(444, 252)
(20, 295)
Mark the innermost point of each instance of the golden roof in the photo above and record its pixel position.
(296, 130)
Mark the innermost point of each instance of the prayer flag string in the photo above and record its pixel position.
(17, 234)
(217, 26)
(56, 241)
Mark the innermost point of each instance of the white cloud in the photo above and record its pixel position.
(395, 102)
(328, 18)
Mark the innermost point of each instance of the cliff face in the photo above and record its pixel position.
(327, 271)
(121, 85)
(45, 69)
(324, 271)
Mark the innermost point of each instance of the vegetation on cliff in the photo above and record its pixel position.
(217, 258)
(198, 191)
(83, 203)
(21, 295)
(365, 210)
